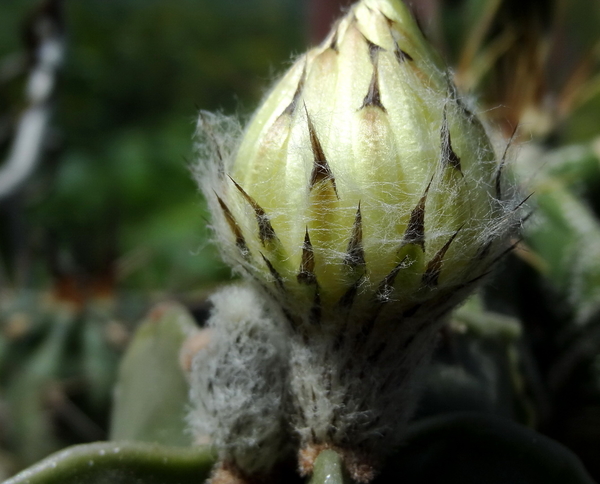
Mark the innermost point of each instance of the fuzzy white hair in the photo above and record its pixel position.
(238, 384)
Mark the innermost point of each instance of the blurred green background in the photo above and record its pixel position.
(111, 221)
(114, 191)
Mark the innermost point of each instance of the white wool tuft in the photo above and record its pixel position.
(238, 384)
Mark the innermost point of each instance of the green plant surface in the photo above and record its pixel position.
(564, 234)
(460, 448)
(477, 367)
(29, 388)
(469, 448)
(115, 191)
(151, 394)
(569, 241)
(58, 363)
(329, 469)
(99, 360)
(120, 463)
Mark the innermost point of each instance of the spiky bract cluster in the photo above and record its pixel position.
(362, 179)
(366, 201)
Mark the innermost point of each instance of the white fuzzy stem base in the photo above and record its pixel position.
(354, 391)
(361, 468)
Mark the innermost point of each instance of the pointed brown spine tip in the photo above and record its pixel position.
(420, 27)
(520, 205)
(333, 45)
(449, 157)
(498, 181)
(474, 281)
(266, 232)
(434, 267)
(454, 96)
(276, 276)
(306, 273)
(389, 21)
(355, 254)
(382, 297)
(374, 50)
(235, 228)
(415, 230)
(386, 286)
(373, 96)
(321, 170)
(467, 112)
(401, 56)
(291, 107)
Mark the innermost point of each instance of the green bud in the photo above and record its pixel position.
(362, 165)
(366, 200)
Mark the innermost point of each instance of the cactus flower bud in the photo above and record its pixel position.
(365, 200)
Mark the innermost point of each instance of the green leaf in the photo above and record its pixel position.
(151, 394)
(120, 462)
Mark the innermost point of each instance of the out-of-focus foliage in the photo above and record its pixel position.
(464, 434)
(57, 370)
(535, 66)
(118, 188)
(120, 463)
(150, 399)
(112, 220)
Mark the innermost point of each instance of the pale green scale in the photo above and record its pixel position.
(246, 167)
(403, 97)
